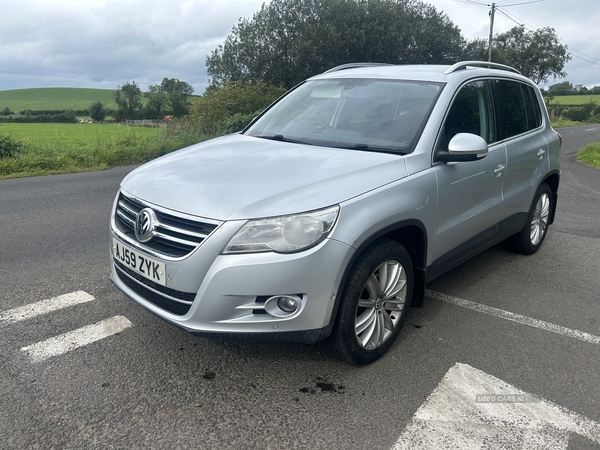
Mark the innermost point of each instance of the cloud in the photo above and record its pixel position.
(104, 43)
(575, 23)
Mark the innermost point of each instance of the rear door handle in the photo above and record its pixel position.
(541, 153)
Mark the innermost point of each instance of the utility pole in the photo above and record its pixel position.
(492, 12)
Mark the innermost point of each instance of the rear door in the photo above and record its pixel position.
(520, 119)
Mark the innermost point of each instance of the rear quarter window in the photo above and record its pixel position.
(518, 108)
(532, 108)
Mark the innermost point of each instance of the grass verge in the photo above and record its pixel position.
(66, 148)
(564, 123)
(590, 155)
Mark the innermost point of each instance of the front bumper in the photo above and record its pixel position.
(209, 294)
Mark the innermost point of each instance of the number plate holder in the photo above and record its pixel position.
(141, 264)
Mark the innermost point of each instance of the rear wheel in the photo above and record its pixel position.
(531, 237)
(373, 304)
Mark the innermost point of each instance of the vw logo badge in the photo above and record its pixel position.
(144, 225)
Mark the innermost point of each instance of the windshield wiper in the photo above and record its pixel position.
(372, 148)
(282, 138)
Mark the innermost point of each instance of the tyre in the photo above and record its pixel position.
(530, 238)
(374, 303)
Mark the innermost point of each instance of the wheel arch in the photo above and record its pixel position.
(412, 235)
(552, 180)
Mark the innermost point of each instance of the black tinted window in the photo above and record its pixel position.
(511, 106)
(471, 112)
(534, 114)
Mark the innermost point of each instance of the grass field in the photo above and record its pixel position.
(51, 134)
(55, 98)
(59, 98)
(573, 99)
(68, 148)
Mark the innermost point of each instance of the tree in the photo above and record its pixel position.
(6, 112)
(538, 54)
(287, 41)
(129, 101)
(170, 96)
(564, 88)
(97, 112)
(178, 92)
(158, 102)
(232, 106)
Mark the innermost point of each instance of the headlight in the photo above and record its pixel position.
(285, 234)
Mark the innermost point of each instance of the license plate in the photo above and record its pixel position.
(139, 263)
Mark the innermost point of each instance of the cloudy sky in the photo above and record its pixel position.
(105, 43)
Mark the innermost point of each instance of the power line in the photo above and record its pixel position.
(587, 56)
(570, 51)
(583, 59)
(499, 6)
(472, 2)
(524, 3)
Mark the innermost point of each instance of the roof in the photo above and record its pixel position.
(424, 72)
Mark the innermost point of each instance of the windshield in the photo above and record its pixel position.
(362, 114)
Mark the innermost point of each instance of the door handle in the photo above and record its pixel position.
(499, 169)
(541, 153)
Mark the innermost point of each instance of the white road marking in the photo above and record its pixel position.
(525, 320)
(591, 129)
(64, 343)
(451, 417)
(44, 307)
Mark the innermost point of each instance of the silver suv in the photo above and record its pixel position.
(326, 217)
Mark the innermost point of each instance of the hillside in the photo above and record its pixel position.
(55, 98)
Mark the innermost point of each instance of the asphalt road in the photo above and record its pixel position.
(154, 386)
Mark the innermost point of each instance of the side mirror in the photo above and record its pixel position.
(464, 147)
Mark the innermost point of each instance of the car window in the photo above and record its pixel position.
(511, 106)
(471, 112)
(362, 114)
(532, 107)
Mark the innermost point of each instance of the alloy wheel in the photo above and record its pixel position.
(539, 221)
(381, 303)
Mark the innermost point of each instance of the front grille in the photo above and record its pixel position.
(174, 236)
(172, 306)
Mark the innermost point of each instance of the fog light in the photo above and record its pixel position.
(283, 305)
(287, 304)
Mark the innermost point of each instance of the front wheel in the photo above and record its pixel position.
(530, 238)
(373, 304)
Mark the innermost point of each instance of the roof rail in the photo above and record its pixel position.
(356, 65)
(466, 64)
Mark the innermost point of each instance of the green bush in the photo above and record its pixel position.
(230, 107)
(238, 122)
(580, 113)
(9, 146)
(97, 111)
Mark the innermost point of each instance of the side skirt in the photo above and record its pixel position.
(476, 245)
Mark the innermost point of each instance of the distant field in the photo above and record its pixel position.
(570, 99)
(59, 98)
(50, 134)
(55, 98)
